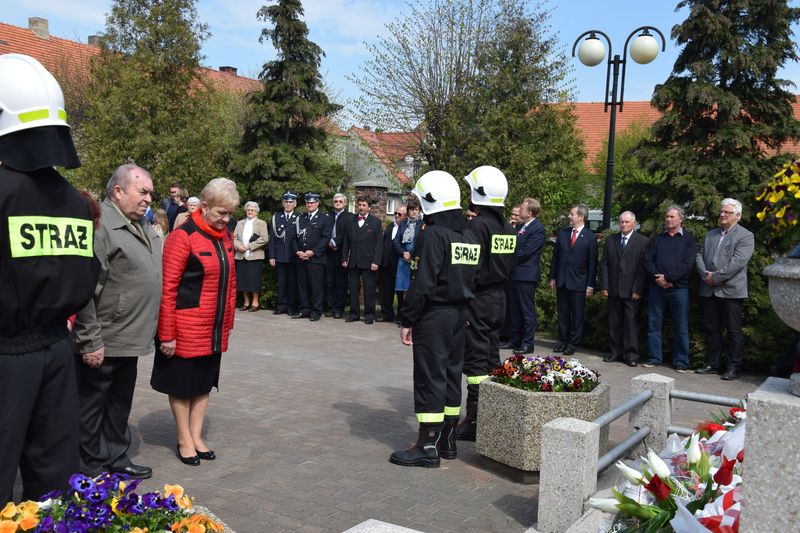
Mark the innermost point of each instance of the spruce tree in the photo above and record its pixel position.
(284, 141)
(723, 104)
(147, 100)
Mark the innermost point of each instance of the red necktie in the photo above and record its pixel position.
(574, 238)
(361, 217)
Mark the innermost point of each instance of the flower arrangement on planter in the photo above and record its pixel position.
(693, 485)
(107, 503)
(780, 202)
(545, 374)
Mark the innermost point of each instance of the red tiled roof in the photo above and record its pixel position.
(64, 57)
(593, 124)
(390, 147)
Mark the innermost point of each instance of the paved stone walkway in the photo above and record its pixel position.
(304, 422)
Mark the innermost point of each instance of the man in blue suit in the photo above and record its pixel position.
(525, 278)
(572, 274)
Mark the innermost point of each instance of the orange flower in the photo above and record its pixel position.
(9, 511)
(139, 530)
(29, 521)
(29, 507)
(7, 526)
(196, 528)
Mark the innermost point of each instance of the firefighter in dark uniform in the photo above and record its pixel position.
(281, 254)
(312, 233)
(447, 258)
(47, 274)
(486, 313)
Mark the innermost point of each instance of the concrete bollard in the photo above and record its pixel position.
(771, 459)
(568, 472)
(655, 413)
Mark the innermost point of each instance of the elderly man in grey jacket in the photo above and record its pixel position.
(119, 324)
(722, 265)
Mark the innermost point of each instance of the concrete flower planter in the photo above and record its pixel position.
(510, 420)
(784, 287)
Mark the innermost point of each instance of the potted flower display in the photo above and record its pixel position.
(107, 503)
(780, 208)
(527, 392)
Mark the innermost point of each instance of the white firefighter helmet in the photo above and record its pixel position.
(437, 191)
(488, 186)
(30, 96)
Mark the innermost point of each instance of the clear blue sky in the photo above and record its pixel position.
(340, 27)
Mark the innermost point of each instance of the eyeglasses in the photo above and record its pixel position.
(727, 213)
(397, 215)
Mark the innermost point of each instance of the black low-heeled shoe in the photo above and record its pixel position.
(207, 456)
(194, 460)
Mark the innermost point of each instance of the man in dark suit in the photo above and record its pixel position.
(388, 267)
(622, 281)
(361, 254)
(525, 278)
(281, 254)
(336, 274)
(722, 265)
(311, 242)
(572, 274)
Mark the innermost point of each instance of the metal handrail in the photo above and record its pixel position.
(704, 398)
(680, 430)
(623, 408)
(622, 448)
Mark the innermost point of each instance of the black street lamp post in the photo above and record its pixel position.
(591, 53)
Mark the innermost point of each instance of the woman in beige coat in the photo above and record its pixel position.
(249, 242)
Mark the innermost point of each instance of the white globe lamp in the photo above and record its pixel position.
(644, 48)
(591, 52)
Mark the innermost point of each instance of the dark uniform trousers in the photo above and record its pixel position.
(571, 305)
(40, 432)
(485, 315)
(337, 283)
(623, 336)
(387, 275)
(438, 358)
(522, 322)
(287, 287)
(106, 396)
(355, 275)
(311, 285)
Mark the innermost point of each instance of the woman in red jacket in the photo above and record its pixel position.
(196, 314)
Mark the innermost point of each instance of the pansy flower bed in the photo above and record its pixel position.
(545, 374)
(107, 503)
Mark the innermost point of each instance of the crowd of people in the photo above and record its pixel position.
(89, 289)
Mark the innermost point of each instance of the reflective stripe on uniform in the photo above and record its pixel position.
(475, 380)
(430, 418)
(450, 203)
(452, 411)
(38, 236)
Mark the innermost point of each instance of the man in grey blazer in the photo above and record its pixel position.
(722, 265)
(623, 281)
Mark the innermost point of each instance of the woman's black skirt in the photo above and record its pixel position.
(248, 275)
(185, 377)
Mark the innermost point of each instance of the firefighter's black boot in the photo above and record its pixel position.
(424, 452)
(447, 444)
(466, 430)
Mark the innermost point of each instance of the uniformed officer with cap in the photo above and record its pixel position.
(447, 258)
(281, 254)
(47, 273)
(313, 231)
(486, 313)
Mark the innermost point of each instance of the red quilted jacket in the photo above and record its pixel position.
(199, 291)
